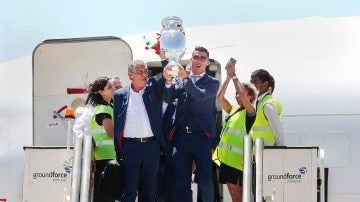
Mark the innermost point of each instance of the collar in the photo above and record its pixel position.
(200, 75)
(261, 97)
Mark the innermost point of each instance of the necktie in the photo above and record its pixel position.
(257, 103)
(195, 78)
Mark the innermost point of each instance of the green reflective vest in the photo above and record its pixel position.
(261, 127)
(104, 145)
(230, 149)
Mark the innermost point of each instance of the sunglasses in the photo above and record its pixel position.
(198, 57)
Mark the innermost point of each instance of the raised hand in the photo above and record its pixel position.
(182, 73)
(230, 69)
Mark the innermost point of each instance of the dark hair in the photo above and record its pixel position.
(202, 49)
(262, 74)
(94, 97)
(272, 83)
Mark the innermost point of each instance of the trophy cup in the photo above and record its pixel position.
(172, 42)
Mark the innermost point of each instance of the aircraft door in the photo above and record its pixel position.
(62, 70)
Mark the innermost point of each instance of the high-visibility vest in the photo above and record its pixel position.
(230, 149)
(261, 127)
(104, 145)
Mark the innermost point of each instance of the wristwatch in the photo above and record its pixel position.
(234, 77)
(186, 80)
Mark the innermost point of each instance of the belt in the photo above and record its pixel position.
(140, 139)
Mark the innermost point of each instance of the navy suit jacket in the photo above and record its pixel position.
(195, 102)
(152, 98)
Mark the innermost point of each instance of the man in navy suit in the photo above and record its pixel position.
(194, 126)
(138, 131)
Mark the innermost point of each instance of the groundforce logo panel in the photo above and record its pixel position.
(289, 177)
(51, 174)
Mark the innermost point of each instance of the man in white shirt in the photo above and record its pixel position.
(138, 131)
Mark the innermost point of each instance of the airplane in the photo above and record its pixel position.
(314, 62)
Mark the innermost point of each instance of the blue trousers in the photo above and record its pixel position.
(189, 148)
(141, 163)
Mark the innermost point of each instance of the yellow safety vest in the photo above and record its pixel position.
(104, 145)
(230, 149)
(261, 127)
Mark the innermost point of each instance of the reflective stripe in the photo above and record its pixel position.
(234, 131)
(98, 131)
(231, 148)
(104, 142)
(262, 128)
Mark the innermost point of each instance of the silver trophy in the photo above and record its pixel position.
(172, 42)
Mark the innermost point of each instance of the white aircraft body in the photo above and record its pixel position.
(315, 63)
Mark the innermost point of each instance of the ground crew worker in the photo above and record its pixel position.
(102, 127)
(268, 122)
(238, 122)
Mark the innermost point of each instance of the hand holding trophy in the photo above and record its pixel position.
(172, 42)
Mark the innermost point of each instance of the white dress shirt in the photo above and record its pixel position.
(137, 122)
(272, 116)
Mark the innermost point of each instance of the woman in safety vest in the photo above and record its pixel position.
(102, 127)
(238, 122)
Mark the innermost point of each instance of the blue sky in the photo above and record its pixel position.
(24, 24)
